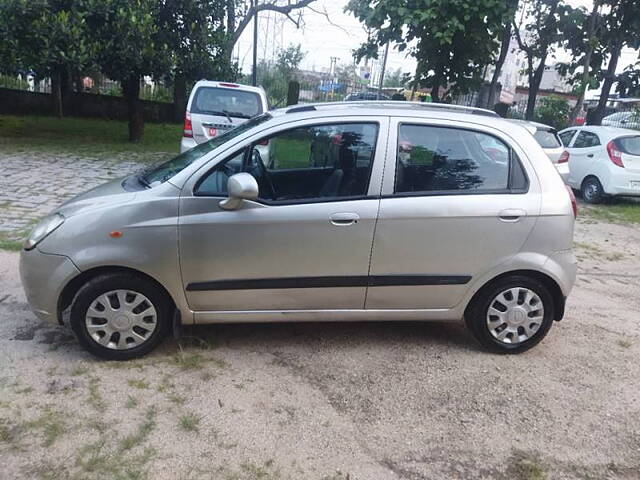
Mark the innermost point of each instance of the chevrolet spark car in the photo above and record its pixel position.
(354, 211)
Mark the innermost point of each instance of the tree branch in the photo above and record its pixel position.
(283, 9)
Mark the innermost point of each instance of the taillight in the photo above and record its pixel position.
(564, 158)
(188, 128)
(614, 154)
(574, 205)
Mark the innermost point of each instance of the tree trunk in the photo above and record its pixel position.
(609, 79)
(584, 83)
(179, 97)
(504, 49)
(135, 110)
(231, 28)
(56, 91)
(534, 87)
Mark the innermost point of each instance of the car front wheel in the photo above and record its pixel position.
(120, 316)
(511, 315)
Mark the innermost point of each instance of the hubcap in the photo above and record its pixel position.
(515, 315)
(121, 319)
(591, 190)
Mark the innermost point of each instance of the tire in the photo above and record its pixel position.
(138, 319)
(520, 326)
(592, 191)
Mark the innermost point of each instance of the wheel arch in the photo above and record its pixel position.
(546, 280)
(71, 288)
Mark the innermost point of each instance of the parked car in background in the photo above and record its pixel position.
(216, 107)
(365, 96)
(547, 138)
(603, 161)
(354, 211)
(629, 119)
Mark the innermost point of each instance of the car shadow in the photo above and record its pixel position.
(276, 336)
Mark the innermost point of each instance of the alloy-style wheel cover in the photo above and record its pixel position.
(121, 319)
(515, 315)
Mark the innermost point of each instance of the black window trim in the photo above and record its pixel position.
(296, 201)
(513, 156)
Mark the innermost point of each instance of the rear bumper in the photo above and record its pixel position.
(618, 181)
(43, 278)
(563, 170)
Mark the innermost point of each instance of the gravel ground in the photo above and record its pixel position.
(336, 401)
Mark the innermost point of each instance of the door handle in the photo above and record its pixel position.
(590, 155)
(511, 214)
(342, 219)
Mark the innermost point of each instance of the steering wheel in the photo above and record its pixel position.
(257, 160)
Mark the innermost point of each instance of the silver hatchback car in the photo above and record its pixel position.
(338, 212)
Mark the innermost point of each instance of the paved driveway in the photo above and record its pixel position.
(31, 185)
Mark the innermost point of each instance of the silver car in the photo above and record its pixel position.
(338, 212)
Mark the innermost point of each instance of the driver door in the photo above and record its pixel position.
(304, 244)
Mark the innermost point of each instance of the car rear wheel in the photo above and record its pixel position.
(511, 315)
(592, 191)
(120, 316)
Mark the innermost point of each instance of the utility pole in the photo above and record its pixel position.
(384, 67)
(254, 72)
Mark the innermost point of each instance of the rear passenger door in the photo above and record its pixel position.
(456, 202)
(584, 152)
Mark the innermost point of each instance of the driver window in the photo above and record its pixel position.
(306, 163)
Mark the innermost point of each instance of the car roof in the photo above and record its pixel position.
(229, 85)
(604, 131)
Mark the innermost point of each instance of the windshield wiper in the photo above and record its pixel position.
(143, 181)
(238, 114)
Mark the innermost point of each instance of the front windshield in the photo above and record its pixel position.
(164, 171)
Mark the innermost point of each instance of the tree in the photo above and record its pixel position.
(194, 32)
(275, 77)
(130, 47)
(554, 111)
(537, 37)
(452, 40)
(505, 41)
(395, 79)
(239, 14)
(622, 27)
(49, 36)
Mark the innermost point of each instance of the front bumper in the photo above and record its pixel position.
(43, 277)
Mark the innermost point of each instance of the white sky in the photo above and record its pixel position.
(321, 40)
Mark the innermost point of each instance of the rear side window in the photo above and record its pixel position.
(443, 159)
(586, 139)
(629, 145)
(565, 137)
(226, 101)
(547, 138)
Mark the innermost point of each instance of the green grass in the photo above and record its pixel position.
(291, 153)
(189, 422)
(142, 432)
(621, 210)
(85, 137)
(528, 467)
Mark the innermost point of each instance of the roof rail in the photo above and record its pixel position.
(309, 107)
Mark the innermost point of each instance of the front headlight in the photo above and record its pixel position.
(44, 228)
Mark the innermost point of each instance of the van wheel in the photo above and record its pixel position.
(511, 315)
(120, 316)
(592, 191)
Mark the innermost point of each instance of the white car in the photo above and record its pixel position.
(628, 119)
(603, 161)
(547, 138)
(216, 107)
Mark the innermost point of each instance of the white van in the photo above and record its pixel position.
(216, 107)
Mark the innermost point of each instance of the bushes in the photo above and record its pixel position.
(554, 111)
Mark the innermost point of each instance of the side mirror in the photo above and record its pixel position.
(241, 186)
